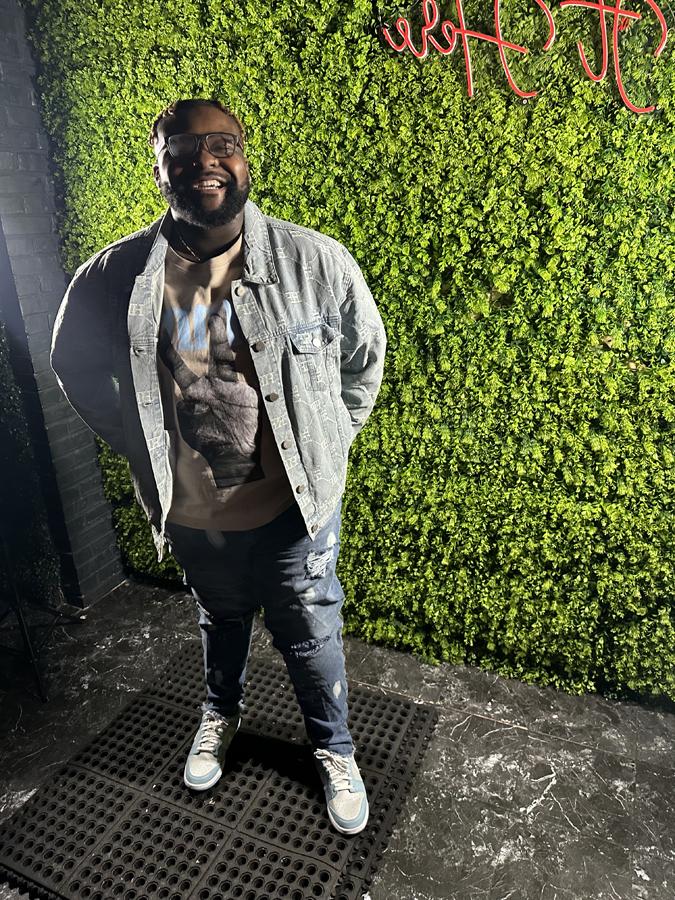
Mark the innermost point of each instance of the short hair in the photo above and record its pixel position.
(178, 105)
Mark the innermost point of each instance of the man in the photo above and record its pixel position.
(233, 358)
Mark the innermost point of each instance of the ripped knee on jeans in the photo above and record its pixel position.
(317, 563)
(306, 649)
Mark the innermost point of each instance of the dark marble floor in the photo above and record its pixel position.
(524, 792)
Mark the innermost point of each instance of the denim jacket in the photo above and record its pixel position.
(315, 335)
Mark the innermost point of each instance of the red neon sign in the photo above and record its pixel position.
(450, 32)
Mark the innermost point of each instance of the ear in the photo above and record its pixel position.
(155, 174)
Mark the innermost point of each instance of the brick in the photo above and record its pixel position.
(69, 432)
(96, 580)
(95, 508)
(48, 243)
(20, 139)
(53, 280)
(51, 395)
(63, 411)
(13, 19)
(39, 203)
(37, 322)
(23, 184)
(37, 264)
(8, 161)
(57, 430)
(41, 360)
(23, 117)
(97, 529)
(39, 343)
(81, 543)
(92, 518)
(17, 71)
(48, 301)
(54, 404)
(105, 529)
(12, 203)
(84, 455)
(90, 489)
(81, 462)
(26, 285)
(33, 303)
(20, 93)
(99, 586)
(98, 569)
(10, 47)
(34, 160)
(72, 466)
(27, 225)
(38, 301)
(70, 479)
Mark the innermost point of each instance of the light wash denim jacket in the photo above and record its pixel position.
(316, 339)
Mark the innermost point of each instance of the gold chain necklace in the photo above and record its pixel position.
(185, 244)
(194, 253)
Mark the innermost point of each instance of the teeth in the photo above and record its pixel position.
(208, 184)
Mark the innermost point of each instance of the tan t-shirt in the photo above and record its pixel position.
(228, 474)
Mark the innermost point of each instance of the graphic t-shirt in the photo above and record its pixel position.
(228, 474)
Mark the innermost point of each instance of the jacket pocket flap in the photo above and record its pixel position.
(314, 339)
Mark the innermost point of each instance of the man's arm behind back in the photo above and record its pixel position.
(82, 353)
(364, 345)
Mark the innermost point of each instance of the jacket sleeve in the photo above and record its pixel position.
(363, 347)
(82, 357)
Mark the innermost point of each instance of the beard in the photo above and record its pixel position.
(191, 211)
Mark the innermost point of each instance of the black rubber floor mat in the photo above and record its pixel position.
(118, 822)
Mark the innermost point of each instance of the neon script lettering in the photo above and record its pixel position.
(453, 34)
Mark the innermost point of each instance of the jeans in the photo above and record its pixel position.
(276, 566)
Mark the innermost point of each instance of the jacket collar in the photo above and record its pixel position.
(258, 257)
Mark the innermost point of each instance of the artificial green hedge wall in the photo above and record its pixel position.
(510, 501)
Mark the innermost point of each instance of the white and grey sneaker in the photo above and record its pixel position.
(345, 792)
(206, 758)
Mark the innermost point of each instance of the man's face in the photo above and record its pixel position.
(179, 179)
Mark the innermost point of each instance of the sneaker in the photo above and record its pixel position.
(345, 792)
(207, 754)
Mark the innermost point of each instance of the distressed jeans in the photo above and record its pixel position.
(276, 566)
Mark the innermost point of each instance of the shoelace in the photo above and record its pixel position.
(338, 769)
(212, 728)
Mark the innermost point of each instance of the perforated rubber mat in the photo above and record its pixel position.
(118, 822)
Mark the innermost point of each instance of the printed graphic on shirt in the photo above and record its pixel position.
(218, 412)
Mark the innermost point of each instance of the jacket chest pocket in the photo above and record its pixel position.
(314, 347)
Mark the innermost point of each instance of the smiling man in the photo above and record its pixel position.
(233, 358)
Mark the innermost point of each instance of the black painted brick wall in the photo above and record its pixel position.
(32, 286)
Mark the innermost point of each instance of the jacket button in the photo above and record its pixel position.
(259, 345)
(316, 341)
(300, 488)
(240, 290)
(313, 527)
(285, 445)
(271, 397)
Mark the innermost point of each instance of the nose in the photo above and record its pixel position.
(203, 154)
